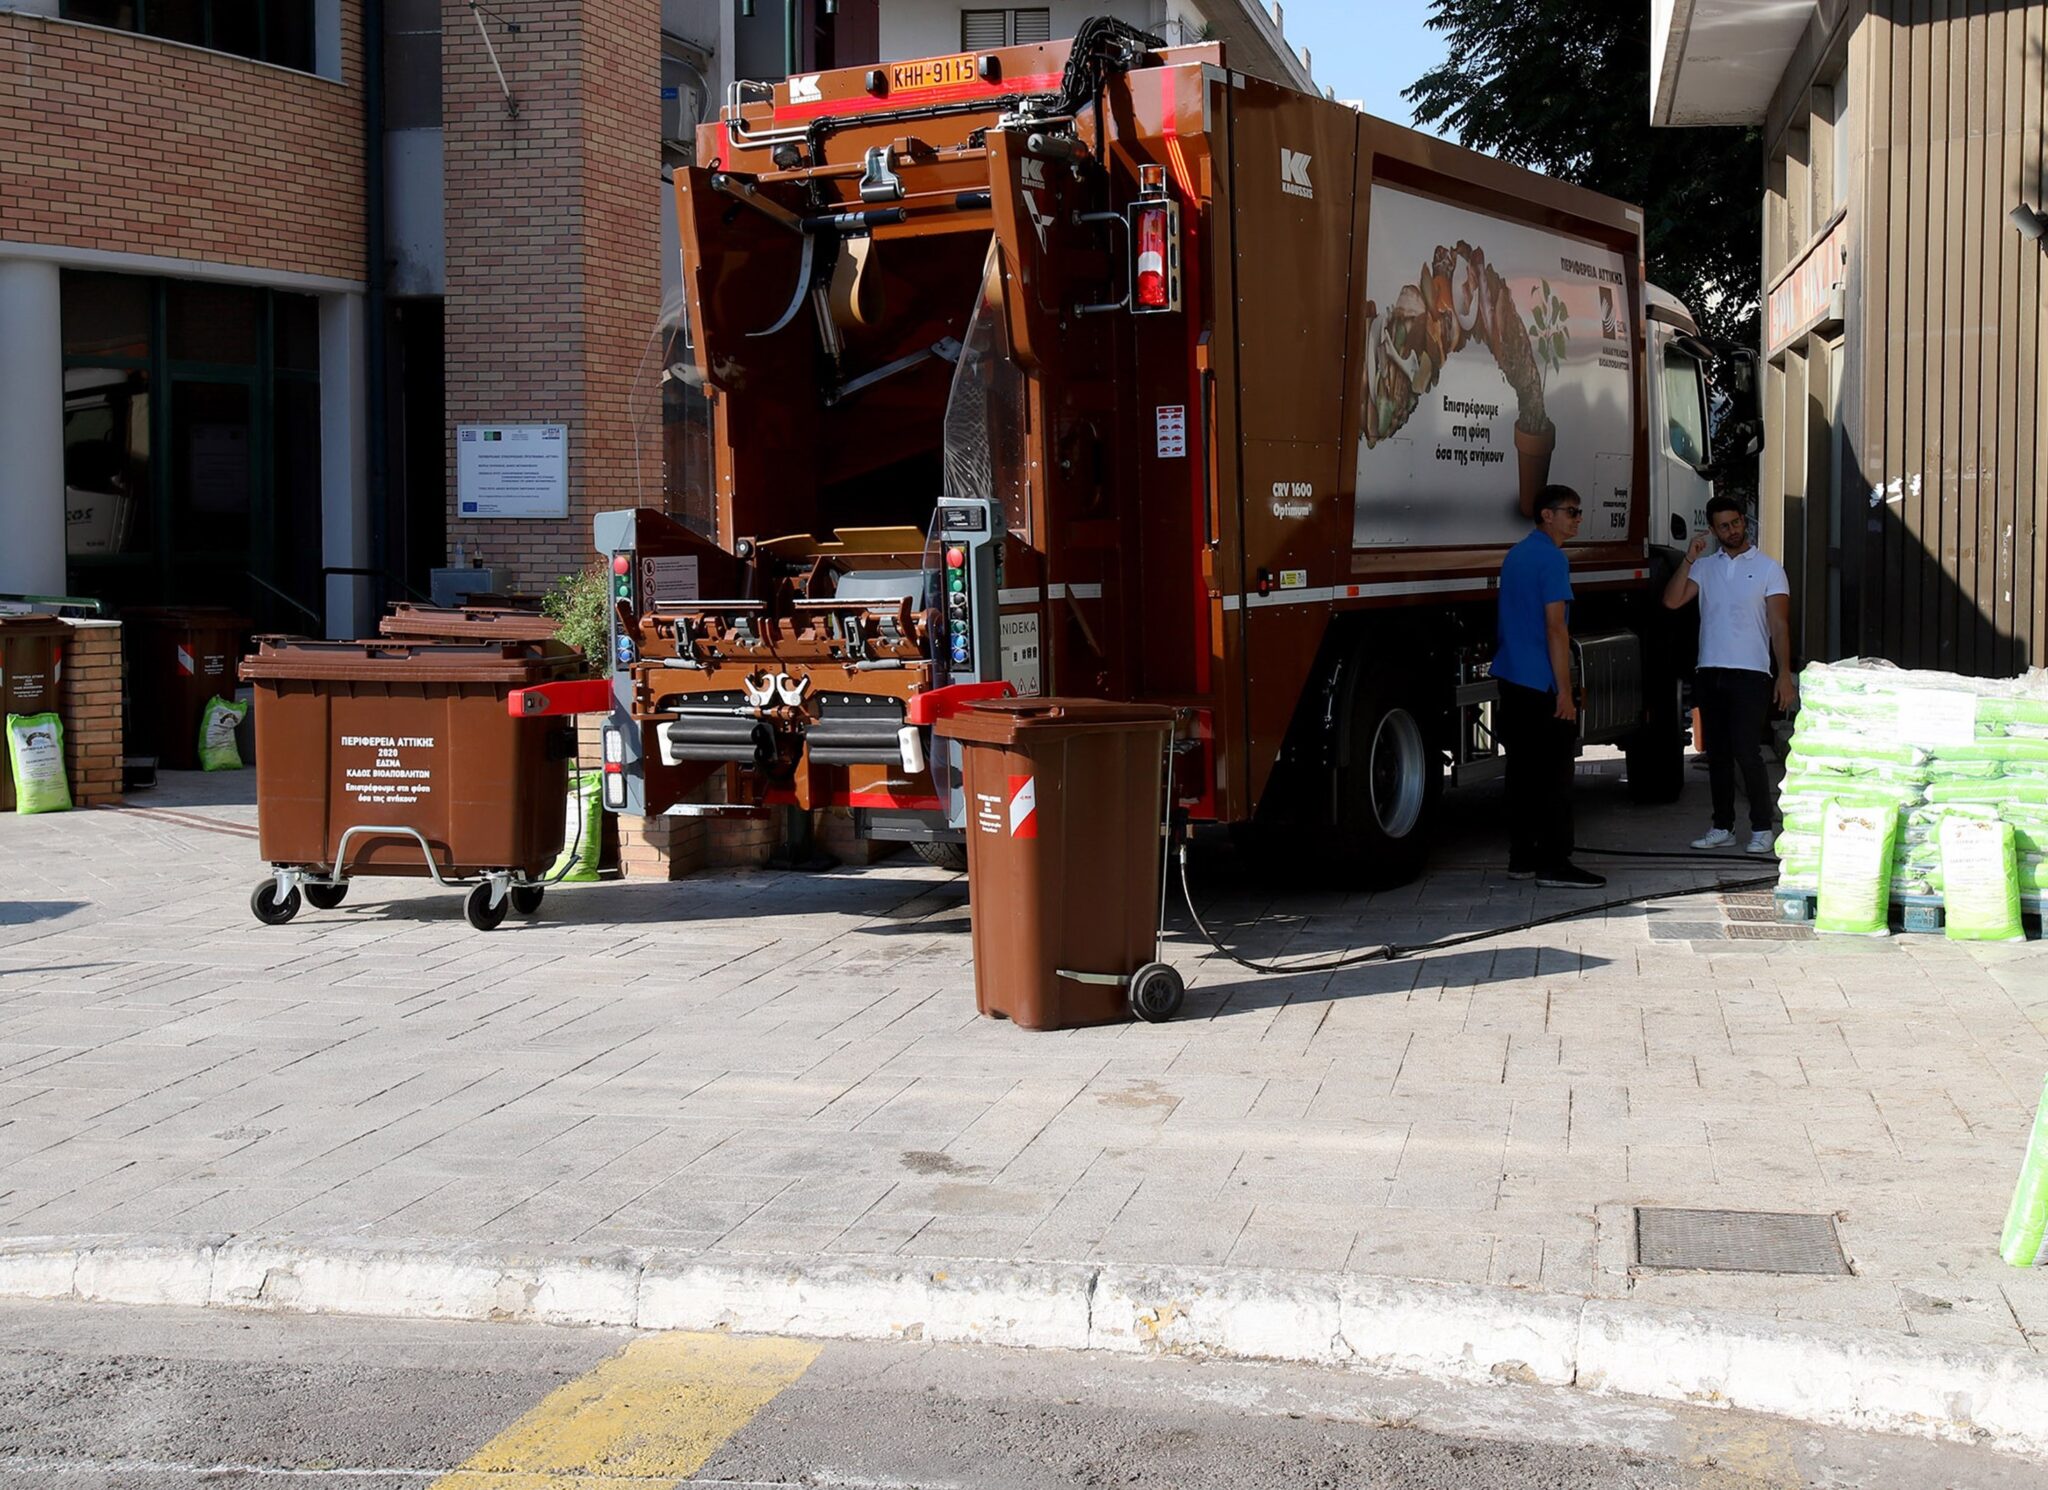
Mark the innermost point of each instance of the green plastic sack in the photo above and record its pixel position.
(1979, 882)
(1856, 871)
(2005, 789)
(2024, 1243)
(583, 832)
(35, 757)
(217, 748)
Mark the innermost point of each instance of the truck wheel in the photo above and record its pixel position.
(1656, 754)
(1384, 796)
(951, 856)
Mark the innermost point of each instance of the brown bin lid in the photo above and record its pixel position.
(1005, 721)
(34, 623)
(496, 622)
(405, 661)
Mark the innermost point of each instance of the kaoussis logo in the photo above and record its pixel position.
(1294, 174)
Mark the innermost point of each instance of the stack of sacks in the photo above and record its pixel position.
(1870, 733)
(1844, 750)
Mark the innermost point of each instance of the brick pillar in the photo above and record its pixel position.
(89, 699)
(554, 255)
(661, 848)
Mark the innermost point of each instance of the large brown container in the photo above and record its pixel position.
(31, 654)
(1064, 803)
(490, 622)
(178, 657)
(409, 735)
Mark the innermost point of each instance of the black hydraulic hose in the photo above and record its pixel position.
(1681, 853)
(1394, 951)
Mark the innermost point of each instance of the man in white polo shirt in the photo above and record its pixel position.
(1745, 622)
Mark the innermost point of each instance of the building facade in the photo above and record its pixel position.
(264, 265)
(1905, 476)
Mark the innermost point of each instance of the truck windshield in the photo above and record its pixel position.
(1685, 406)
(986, 413)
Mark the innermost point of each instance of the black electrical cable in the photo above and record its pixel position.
(1683, 853)
(1393, 951)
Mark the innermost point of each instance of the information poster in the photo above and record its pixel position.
(512, 470)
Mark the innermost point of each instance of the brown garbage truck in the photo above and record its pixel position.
(1098, 368)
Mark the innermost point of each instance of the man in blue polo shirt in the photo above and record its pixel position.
(1538, 718)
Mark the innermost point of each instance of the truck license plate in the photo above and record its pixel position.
(935, 72)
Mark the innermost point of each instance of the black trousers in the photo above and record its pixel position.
(1542, 751)
(1734, 705)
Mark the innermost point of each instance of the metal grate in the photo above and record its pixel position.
(1669, 1239)
(1755, 931)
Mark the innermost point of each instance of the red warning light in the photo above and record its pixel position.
(956, 558)
(1152, 257)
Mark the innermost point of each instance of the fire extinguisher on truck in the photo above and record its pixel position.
(1106, 370)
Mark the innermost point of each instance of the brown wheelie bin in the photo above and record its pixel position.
(402, 758)
(177, 657)
(31, 653)
(512, 623)
(1065, 842)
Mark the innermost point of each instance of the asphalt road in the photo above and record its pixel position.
(108, 1398)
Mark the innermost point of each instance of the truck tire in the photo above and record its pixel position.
(951, 856)
(1384, 794)
(1656, 753)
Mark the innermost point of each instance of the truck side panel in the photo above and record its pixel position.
(1292, 169)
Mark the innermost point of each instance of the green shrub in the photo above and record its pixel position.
(581, 607)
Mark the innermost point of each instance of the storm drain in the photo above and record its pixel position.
(1737, 1242)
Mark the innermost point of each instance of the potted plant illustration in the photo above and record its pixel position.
(1535, 435)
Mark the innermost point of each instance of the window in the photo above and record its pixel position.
(981, 30)
(279, 31)
(1685, 405)
(192, 444)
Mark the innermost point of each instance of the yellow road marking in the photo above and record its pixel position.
(646, 1418)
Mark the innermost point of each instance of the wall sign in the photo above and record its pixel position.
(512, 470)
(1800, 300)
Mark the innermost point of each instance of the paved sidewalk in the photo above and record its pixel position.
(754, 1065)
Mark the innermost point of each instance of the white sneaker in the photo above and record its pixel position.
(1760, 842)
(1716, 838)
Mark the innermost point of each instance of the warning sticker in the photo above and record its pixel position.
(387, 770)
(1172, 422)
(1023, 806)
(1020, 653)
(670, 580)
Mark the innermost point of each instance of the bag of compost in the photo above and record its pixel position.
(2024, 1242)
(583, 832)
(35, 756)
(1856, 870)
(1979, 881)
(217, 748)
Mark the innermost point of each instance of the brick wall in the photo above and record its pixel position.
(554, 248)
(90, 701)
(125, 143)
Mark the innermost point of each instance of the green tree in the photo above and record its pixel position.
(1563, 87)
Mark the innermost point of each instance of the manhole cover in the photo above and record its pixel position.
(1762, 899)
(1687, 931)
(1752, 913)
(1737, 1241)
(1757, 931)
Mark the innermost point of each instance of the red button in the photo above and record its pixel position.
(956, 558)
(622, 563)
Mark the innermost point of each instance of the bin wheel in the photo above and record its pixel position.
(269, 909)
(481, 913)
(325, 897)
(1156, 992)
(526, 898)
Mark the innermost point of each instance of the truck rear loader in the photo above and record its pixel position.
(1099, 368)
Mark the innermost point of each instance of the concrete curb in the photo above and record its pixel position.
(1838, 1376)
